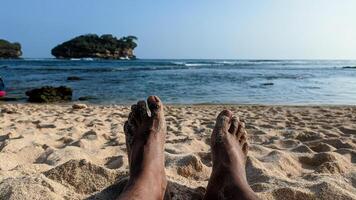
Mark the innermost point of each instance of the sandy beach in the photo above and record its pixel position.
(61, 152)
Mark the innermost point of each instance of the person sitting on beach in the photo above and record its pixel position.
(145, 139)
(2, 88)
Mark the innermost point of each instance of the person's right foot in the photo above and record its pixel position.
(229, 152)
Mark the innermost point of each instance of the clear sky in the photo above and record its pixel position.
(235, 29)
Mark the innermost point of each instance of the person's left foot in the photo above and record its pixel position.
(229, 149)
(145, 138)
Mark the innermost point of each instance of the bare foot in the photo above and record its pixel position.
(229, 152)
(145, 138)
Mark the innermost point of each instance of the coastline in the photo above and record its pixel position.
(69, 103)
(305, 152)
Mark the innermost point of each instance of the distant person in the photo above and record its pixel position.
(2, 88)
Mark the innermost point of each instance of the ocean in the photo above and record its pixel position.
(287, 82)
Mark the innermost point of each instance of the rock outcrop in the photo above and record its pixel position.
(74, 78)
(50, 94)
(94, 46)
(9, 50)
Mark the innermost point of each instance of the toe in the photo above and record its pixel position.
(243, 141)
(142, 110)
(234, 125)
(134, 116)
(243, 138)
(155, 105)
(223, 121)
(128, 130)
(222, 125)
(245, 148)
(132, 121)
(240, 130)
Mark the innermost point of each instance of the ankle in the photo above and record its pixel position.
(243, 190)
(152, 177)
(144, 184)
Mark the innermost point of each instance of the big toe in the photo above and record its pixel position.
(223, 121)
(155, 105)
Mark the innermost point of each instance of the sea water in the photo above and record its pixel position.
(299, 82)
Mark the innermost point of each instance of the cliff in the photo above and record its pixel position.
(9, 50)
(94, 46)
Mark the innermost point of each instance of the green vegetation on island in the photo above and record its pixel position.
(93, 46)
(9, 50)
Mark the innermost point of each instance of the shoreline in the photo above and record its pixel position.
(178, 104)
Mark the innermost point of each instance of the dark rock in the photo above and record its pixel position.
(45, 126)
(74, 78)
(86, 98)
(349, 67)
(9, 50)
(10, 98)
(50, 94)
(267, 84)
(79, 106)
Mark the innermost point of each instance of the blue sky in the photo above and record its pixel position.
(235, 29)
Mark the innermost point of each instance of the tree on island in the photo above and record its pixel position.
(106, 46)
(10, 50)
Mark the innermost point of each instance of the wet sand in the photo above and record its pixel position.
(57, 152)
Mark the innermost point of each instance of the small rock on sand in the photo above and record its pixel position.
(46, 126)
(79, 106)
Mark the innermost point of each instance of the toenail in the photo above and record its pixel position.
(156, 98)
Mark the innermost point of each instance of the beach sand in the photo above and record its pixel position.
(57, 152)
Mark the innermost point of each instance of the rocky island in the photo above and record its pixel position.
(9, 50)
(93, 46)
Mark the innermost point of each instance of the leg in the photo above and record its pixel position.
(229, 150)
(145, 138)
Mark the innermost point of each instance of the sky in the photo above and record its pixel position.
(190, 29)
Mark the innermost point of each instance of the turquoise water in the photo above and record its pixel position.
(190, 81)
